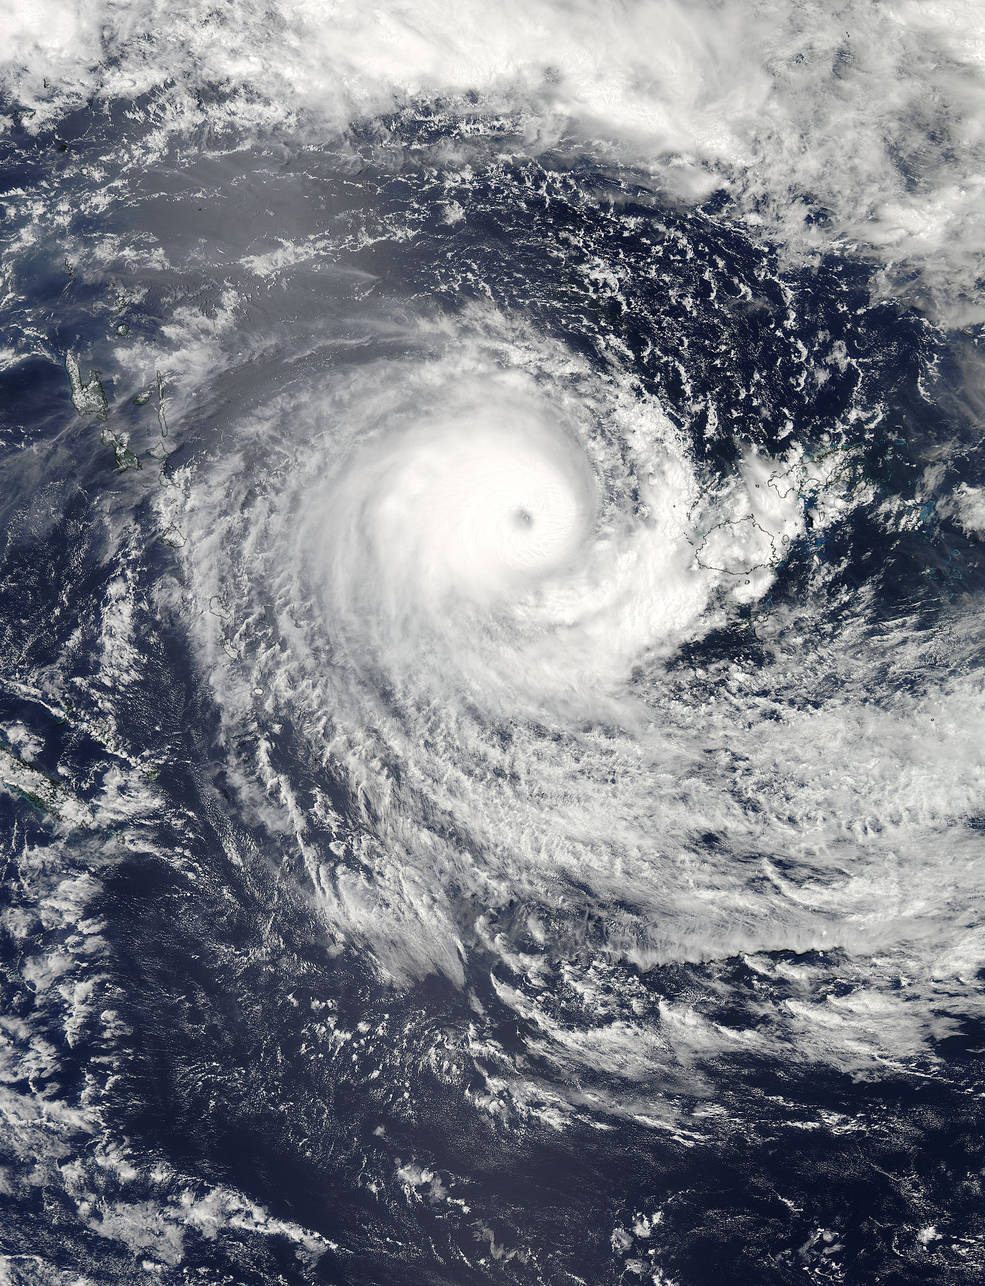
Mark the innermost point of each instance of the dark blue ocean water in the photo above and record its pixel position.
(201, 1048)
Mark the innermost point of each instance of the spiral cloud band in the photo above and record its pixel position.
(482, 562)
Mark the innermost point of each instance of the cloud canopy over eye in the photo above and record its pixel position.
(464, 526)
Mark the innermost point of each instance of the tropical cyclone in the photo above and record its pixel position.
(466, 581)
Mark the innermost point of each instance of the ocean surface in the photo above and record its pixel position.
(492, 685)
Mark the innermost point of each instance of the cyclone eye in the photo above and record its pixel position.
(523, 518)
